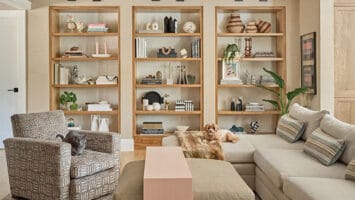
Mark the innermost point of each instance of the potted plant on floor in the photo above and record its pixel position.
(68, 97)
(283, 102)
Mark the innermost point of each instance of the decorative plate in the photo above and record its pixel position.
(152, 97)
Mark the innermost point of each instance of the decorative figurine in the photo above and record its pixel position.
(80, 26)
(159, 75)
(247, 53)
(70, 23)
(183, 53)
(254, 126)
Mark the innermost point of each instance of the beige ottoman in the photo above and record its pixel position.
(211, 179)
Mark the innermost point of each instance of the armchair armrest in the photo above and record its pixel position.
(106, 142)
(43, 163)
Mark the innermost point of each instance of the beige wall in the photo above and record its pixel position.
(38, 42)
(309, 22)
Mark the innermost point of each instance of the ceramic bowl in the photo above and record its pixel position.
(149, 107)
(182, 128)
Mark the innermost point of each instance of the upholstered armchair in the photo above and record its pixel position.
(41, 166)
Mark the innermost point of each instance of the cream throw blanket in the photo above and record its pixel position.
(194, 145)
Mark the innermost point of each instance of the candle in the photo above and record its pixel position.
(97, 48)
(105, 48)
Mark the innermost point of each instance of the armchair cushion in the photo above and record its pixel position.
(91, 162)
(44, 125)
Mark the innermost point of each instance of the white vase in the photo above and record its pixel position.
(103, 127)
(95, 122)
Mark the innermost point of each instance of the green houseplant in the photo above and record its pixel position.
(232, 51)
(68, 97)
(283, 102)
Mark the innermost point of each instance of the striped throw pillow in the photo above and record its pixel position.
(324, 147)
(290, 129)
(350, 170)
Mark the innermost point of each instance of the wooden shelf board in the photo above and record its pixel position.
(168, 34)
(152, 135)
(169, 112)
(84, 59)
(85, 86)
(250, 34)
(86, 8)
(69, 112)
(266, 112)
(264, 59)
(168, 86)
(167, 59)
(243, 86)
(78, 34)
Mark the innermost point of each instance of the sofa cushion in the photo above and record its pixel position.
(324, 147)
(310, 117)
(350, 170)
(306, 188)
(272, 141)
(91, 162)
(170, 140)
(290, 129)
(278, 164)
(239, 152)
(341, 130)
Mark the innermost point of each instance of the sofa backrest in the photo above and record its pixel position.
(310, 117)
(44, 125)
(341, 130)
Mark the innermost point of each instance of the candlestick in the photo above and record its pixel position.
(97, 48)
(105, 48)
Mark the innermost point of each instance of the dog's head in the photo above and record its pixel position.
(210, 131)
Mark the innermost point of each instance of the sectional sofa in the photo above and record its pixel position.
(277, 169)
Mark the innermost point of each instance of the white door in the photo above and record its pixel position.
(12, 68)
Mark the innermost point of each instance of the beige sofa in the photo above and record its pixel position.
(276, 169)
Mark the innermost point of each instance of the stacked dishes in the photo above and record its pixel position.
(235, 24)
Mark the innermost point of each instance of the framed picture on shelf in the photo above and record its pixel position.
(308, 62)
(230, 70)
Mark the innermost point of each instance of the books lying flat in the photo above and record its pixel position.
(254, 107)
(152, 128)
(231, 81)
(99, 107)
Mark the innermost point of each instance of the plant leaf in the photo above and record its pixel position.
(273, 102)
(292, 94)
(280, 82)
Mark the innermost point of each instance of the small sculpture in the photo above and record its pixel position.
(189, 27)
(254, 126)
(247, 53)
(183, 53)
(80, 26)
(70, 23)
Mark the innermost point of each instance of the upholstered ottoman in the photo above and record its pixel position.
(211, 179)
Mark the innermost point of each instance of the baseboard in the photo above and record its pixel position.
(127, 144)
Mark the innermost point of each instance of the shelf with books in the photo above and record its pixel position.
(264, 37)
(71, 48)
(185, 56)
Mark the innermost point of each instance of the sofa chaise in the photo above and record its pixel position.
(277, 169)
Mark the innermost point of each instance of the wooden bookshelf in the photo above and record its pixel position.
(140, 15)
(276, 41)
(60, 40)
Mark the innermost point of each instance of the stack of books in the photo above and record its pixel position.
(231, 81)
(73, 53)
(184, 105)
(195, 49)
(141, 48)
(98, 28)
(105, 80)
(152, 128)
(99, 107)
(254, 107)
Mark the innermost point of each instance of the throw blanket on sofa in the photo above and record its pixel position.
(194, 145)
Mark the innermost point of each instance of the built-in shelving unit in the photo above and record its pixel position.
(275, 42)
(62, 39)
(144, 66)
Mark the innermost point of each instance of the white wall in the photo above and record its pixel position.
(38, 81)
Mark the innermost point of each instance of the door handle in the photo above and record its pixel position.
(13, 90)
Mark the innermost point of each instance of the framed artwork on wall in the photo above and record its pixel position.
(230, 70)
(308, 62)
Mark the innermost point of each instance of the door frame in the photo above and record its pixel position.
(20, 16)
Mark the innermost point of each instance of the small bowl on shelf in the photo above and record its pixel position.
(182, 128)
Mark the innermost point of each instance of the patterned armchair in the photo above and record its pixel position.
(41, 167)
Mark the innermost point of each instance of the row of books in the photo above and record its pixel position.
(254, 107)
(195, 49)
(98, 28)
(141, 47)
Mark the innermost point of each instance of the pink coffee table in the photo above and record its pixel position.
(166, 175)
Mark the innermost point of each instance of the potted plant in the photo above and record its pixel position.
(68, 97)
(231, 52)
(283, 102)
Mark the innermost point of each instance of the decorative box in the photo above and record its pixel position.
(166, 53)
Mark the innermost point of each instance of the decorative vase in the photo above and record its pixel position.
(95, 122)
(103, 125)
(235, 24)
(156, 106)
(251, 27)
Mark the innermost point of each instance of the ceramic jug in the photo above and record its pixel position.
(95, 122)
(103, 127)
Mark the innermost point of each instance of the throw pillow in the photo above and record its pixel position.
(310, 117)
(324, 147)
(290, 129)
(350, 170)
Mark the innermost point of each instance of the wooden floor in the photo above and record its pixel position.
(128, 156)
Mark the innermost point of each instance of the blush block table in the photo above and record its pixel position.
(166, 175)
